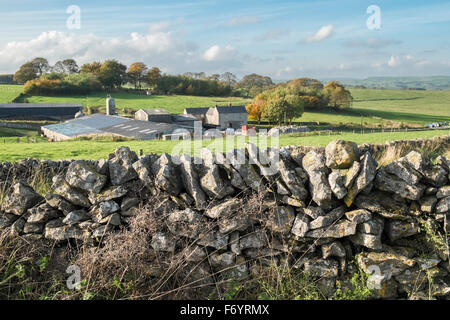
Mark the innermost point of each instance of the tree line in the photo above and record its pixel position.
(66, 77)
(286, 101)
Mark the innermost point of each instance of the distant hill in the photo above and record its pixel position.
(417, 83)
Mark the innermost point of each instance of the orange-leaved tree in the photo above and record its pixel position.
(255, 109)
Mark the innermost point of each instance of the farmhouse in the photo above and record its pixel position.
(39, 111)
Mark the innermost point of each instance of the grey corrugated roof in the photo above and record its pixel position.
(72, 130)
(101, 124)
(140, 129)
(183, 117)
(42, 105)
(98, 121)
(196, 110)
(42, 111)
(232, 109)
(155, 111)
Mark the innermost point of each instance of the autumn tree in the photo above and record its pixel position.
(153, 77)
(112, 74)
(92, 68)
(337, 95)
(255, 110)
(305, 85)
(137, 73)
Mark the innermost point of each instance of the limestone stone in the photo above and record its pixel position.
(359, 216)
(111, 193)
(22, 198)
(121, 166)
(62, 188)
(83, 176)
(396, 229)
(337, 184)
(322, 268)
(226, 208)
(341, 154)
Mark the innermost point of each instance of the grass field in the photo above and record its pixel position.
(132, 101)
(87, 149)
(9, 92)
(372, 107)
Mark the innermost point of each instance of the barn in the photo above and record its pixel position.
(100, 124)
(39, 111)
(227, 117)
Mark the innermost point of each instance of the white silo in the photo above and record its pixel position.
(110, 106)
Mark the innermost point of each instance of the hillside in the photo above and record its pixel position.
(427, 83)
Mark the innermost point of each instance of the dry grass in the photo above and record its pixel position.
(430, 148)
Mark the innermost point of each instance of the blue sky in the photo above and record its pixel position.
(282, 39)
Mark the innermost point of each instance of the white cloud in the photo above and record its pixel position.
(242, 21)
(395, 61)
(160, 48)
(321, 34)
(218, 53)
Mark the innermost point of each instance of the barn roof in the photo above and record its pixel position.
(38, 110)
(196, 110)
(40, 105)
(104, 124)
(231, 109)
(151, 112)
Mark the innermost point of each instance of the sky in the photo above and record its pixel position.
(278, 38)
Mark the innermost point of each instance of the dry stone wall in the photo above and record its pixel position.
(328, 211)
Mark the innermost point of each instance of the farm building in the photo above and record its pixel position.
(156, 115)
(227, 117)
(161, 115)
(39, 111)
(199, 113)
(100, 124)
(220, 117)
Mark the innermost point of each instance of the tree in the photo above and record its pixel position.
(228, 79)
(137, 73)
(214, 77)
(25, 73)
(255, 80)
(255, 109)
(68, 66)
(305, 85)
(41, 66)
(282, 106)
(153, 77)
(112, 74)
(93, 68)
(337, 95)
